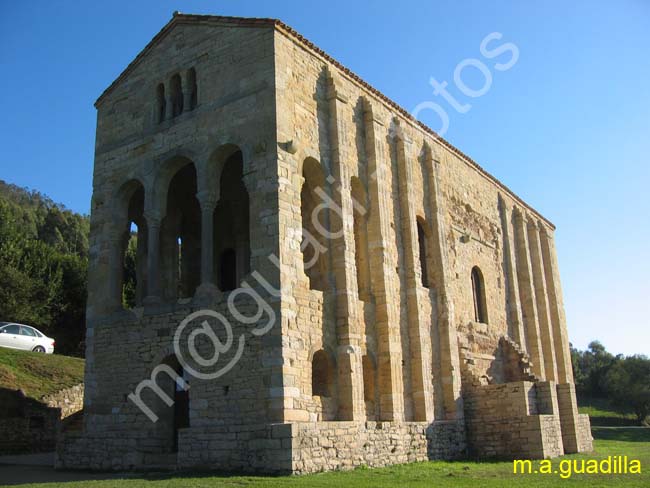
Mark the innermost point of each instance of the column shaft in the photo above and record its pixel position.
(153, 259)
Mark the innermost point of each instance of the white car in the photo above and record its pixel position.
(19, 336)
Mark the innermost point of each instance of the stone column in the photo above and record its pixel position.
(169, 101)
(141, 262)
(539, 282)
(558, 319)
(382, 267)
(515, 321)
(350, 376)
(445, 326)
(527, 294)
(153, 258)
(187, 96)
(419, 340)
(115, 241)
(208, 201)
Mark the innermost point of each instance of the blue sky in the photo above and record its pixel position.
(567, 127)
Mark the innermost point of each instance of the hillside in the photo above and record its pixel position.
(38, 374)
(43, 262)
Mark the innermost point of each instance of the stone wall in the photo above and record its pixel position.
(26, 425)
(303, 447)
(69, 400)
(518, 419)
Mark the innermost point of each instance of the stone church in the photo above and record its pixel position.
(385, 299)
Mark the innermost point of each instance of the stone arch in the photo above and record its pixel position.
(478, 295)
(360, 228)
(231, 217)
(130, 241)
(314, 243)
(424, 247)
(180, 229)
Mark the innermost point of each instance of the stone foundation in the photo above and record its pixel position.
(302, 447)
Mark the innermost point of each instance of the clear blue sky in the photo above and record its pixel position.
(567, 128)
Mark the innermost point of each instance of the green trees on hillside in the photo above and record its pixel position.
(43, 262)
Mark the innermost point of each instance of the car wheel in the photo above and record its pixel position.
(39, 349)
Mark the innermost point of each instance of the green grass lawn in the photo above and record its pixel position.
(633, 442)
(38, 374)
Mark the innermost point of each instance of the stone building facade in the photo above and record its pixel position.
(388, 300)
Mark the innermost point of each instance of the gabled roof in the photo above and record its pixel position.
(179, 18)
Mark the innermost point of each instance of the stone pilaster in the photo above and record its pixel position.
(556, 306)
(115, 240)
(515, 320)
(419, 340)
(445, 326)
(382, 266)
(541, 297)
(527, 294)
(350, 375)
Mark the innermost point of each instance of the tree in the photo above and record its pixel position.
(628, 384)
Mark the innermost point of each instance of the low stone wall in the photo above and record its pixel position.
(513, 420)
(327, 446)
(274, 448)
(69, 400)
(26, 426)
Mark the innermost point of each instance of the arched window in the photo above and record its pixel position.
(231, 233)
(422, 245)
(359, 213)
(191, 83)
(161, 103)
(314, 243)
(478, 292)
(321, 374)
(133, 246)
(176, 86)
(180, 236)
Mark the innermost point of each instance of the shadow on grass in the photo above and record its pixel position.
(597, 420)
(624, 434)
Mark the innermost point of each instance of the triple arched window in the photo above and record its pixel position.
(179, 95)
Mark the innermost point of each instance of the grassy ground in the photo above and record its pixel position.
(38, 374)
(602, 413)
(619, 441)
